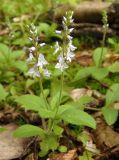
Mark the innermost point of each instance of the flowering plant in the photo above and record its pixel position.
(52, 110)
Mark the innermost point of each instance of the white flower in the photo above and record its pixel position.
(33, 72)
(64, 19)
(32, 49)
(57, 47)
(58, 32)
(69, 56)
(71, 29)
(41, 61)
(69, 37)
(72, 20)
(30, 58)
(61, 65)
(42, 44)
(47, 73)
(71, 46)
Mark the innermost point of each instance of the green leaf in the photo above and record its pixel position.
(17, 54)
(4, 49)
(97, 53)
(83, 73)
(110, 115)
(3, 93)
(111, 41)
(31, 102)
(22, 66)
(57, 130)
(44, 27)
(80, 104)
(45, 113)
(29, 82)
(114, 67)
(50, 142)
(112, 94)
(62, 149)
(29, 131)
(99, 73)
(86, 156)
(77, 117)
(55, 99)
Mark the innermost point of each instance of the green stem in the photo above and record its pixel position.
(103, 44)
(60, 95)
(51, 122)
(42, 92)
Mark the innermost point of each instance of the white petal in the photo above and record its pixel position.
(46, 73)
(42, 44)
(31, 49)
(64, 19)
(41, 61)
(57, 48)
(69, 37)
(58, 32)
(69, 56)
(30, 58)
(34, 72)
(71, 46)
(71, 29)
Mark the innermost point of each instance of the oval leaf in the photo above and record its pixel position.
(29, 131)
(77, 117)
(31, 102)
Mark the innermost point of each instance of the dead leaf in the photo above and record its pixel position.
(90, 146)
(10, 147)
(84, 58)
(104, 135)
(70, 155)
(76, 94)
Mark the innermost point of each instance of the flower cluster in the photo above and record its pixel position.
(36, 60)
(66, 52)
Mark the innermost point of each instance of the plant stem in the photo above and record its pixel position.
(43, 120)
(51, 122)
(103, 44)
(42, 92)
(60, 95)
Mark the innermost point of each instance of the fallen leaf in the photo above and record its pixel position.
(10, 147)
(76, 94)
(70, 155)
(104, 135)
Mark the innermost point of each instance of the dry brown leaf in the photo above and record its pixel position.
(104, 135)
(70, 155)
(76, 94)
(10, 147)
(84, 58)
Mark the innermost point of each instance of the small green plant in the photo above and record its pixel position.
(114, 43)
(52, 109)
(99, 72)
